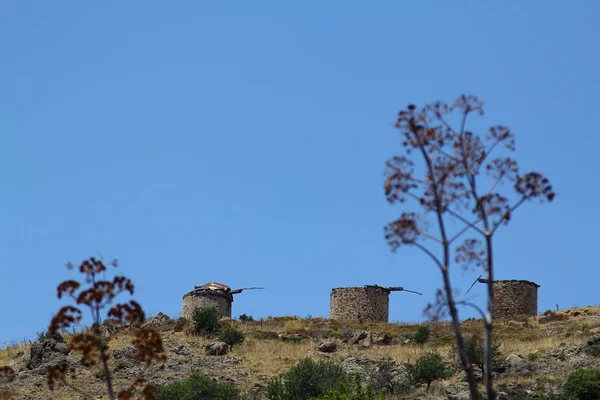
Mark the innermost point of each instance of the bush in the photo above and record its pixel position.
(422, 334)
(336, 334)
(307, 380)
(582, 384)
(343, 392)
(246, 318)
(206, 320)
(428, 368)
(476, 352)
(386, 377)
(45, 335)
(232, 336)
(198, 386)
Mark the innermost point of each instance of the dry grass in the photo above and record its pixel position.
(13, 353)
(520, 347)
(264, 354)
(269, 358)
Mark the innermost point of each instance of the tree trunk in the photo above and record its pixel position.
(460, 342)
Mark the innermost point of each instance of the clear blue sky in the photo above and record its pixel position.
(244, 143)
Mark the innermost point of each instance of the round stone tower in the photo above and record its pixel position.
(515, 298)
(366, 303)
(206, 296)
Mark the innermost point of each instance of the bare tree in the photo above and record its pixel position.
(456, 186)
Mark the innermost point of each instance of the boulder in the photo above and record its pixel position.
(327, 346)
(514, 361)
(592, 346)
(160, 322)
(378, 373)
(216, 349)
(46, 354)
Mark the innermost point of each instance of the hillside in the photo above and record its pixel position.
(539, 353)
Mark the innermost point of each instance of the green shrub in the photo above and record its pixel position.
(385, 378)
(45, 335)
(343, 392)
(198, 386)
(336, 334)
(422, 334)
(428, 368)
(582, 384)
(266, 335)
(246, 318)
(206, 320)
(231, 336)
(307, 380)
(476, 353)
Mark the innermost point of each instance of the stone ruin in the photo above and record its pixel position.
(209, 295)
(366, 303)
(514, 298)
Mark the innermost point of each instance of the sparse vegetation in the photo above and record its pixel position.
(246, 318)
(45, 335)
(343, 392)
(231, 336)
(307, 380)
(206, 320)
(428, 368)
(264, 354)
(198, 386)
(421, 336)
(582, 384)
(475, 349)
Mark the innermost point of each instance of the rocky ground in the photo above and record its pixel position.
(537, 353)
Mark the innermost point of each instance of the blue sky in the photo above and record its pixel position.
(244, 143)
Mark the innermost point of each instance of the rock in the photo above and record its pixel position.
(357, 336)
(514, 361)
(460, 396)
(366, 342)
(381, 339)
(182, 350)
(378, 374)
(46, 354)
(327, 346)
(460, 391)
(478, 377)
(502, 396)
(216, 349)
(109, 326)
(124, 352)
(322, 334)
(160, 322)
(367, 339)
(592, 346)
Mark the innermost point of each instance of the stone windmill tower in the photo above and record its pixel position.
(209, 295)
(364, 303)
(514, 298)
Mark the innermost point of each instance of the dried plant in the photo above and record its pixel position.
(7, 374)
(455, 165)
(89, 342)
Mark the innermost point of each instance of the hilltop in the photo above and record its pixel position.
(538, 354)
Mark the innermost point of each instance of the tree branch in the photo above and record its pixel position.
(429, 253)
(512, 209)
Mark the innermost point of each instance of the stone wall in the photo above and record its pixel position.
(514, 299)
(359, 304)
(205, 299)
